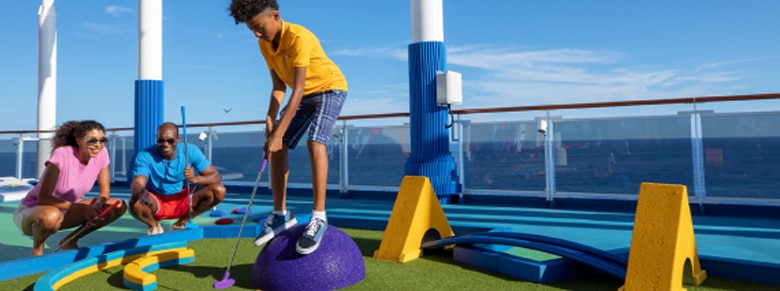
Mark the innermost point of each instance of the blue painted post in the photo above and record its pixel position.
(148, 112)
(430, 154)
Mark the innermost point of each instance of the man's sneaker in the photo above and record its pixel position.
(311, 238)
(156, 229)
(274, 225)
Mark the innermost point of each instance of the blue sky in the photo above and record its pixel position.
(510, 52)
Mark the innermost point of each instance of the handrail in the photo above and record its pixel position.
(685, 100)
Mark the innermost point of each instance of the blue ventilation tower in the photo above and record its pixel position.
(430, 154)
(149, 86)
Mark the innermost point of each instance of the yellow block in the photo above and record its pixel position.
(416, 210)
(133, 271)
(662, 241)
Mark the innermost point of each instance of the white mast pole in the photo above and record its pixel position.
(150, 39)
(427, 20)
(47, 79)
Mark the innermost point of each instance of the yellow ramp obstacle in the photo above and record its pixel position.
(662, 241)
(416, 210)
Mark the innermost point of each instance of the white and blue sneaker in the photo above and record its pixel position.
(311, 238)
(274, 225)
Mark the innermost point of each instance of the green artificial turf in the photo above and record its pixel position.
(434, 271)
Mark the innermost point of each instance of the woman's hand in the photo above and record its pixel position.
(98, 202)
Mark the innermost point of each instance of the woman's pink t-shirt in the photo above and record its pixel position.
(75, 180)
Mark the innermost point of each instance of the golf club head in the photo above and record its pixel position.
(224, 283)
(190, 225)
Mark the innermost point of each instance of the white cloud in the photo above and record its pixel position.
(713, 77)
(488, 58)
(507, 77)
(117, 11)
(391, 98)
(194, 67)
(393, 51)
(101, 28)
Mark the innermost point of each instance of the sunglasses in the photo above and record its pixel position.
(169, 140)
(95, 140)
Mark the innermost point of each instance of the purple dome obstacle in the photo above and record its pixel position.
(337, 263)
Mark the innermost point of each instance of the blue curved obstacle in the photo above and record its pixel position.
(559, 242)
(607, 265)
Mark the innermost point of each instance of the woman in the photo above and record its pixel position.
(78, 158)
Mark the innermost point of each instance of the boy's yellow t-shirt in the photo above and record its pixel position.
(299, 47)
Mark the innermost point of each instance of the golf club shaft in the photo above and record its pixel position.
(248, 209)
(186, 156)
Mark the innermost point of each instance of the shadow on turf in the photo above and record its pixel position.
(367, 246)
(242, 274)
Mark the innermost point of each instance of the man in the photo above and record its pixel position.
(159, 190)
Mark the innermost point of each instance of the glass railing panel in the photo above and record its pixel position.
(614, 155)
(30, 159)
(503, 155)
(613, 150)
(236, 155)
(498, 153)
(741, 154)
(7, 156)
(121, 149)
(377, 155)
(300, 165)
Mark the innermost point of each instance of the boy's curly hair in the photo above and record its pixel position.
(244, 10)
(72, 130)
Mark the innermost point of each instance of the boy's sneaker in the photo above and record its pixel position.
(274, 225)
(311, 238)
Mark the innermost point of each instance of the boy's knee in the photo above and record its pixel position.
(314, 146)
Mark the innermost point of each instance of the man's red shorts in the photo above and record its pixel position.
(172, 206)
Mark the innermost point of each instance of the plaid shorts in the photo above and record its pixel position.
(316, 115)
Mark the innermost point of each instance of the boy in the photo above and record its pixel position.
(296, 59)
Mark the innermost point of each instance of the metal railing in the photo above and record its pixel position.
(562, 150)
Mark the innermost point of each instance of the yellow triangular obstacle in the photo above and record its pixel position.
(662, 241)
(416, 210)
